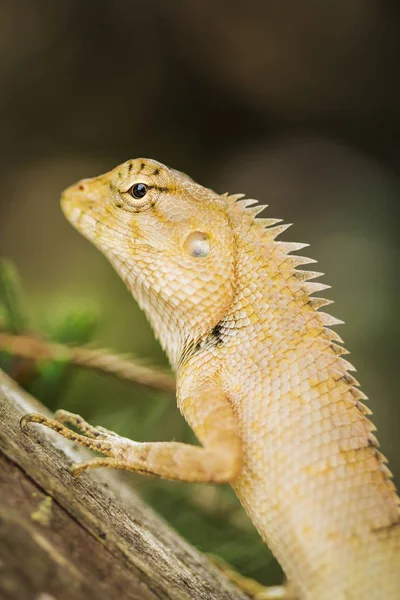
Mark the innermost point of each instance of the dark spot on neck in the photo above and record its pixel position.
(216, 333)
(156, 172)
(130, 167)
(213, 339)
(142, 166)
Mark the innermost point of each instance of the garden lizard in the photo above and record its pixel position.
(261, 377)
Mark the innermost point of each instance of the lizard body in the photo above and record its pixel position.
(261, 377)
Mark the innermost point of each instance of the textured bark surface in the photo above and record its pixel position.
(63, 538)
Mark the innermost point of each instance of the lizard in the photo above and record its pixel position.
(261, 377)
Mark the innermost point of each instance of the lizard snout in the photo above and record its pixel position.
(73, 199)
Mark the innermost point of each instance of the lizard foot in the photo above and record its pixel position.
(97, 438)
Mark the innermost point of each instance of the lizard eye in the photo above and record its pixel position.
(138, 191)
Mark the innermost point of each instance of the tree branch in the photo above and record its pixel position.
(98, 360)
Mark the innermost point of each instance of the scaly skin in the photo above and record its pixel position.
(261, 379)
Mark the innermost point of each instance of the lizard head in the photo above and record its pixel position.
(168, 237)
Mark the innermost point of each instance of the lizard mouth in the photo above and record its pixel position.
(72, 212)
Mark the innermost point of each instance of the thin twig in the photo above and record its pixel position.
(98, 360)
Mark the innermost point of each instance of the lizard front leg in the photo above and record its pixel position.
(218, 461)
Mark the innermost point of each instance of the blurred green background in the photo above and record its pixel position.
(295, 103)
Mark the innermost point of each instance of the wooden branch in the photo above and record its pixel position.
(98, 360)
(90, 538)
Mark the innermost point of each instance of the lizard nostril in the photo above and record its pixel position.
(81, 187)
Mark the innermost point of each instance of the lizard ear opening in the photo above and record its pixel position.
(197, 244)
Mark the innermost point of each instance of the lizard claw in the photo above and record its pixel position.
(30, 418)
(75, 471)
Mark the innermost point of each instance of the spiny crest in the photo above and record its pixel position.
(307, 275)
(268, 230)
(312, 287)
(271, 233)
(247, 202)
(318, 303)
(288, 247)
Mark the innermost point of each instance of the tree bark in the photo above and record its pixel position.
(90, 538)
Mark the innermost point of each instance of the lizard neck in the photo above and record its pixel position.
(180, 326)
